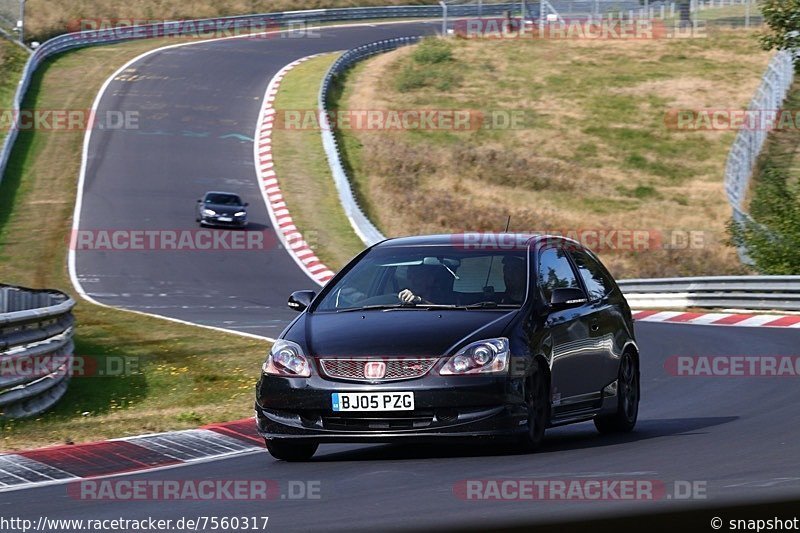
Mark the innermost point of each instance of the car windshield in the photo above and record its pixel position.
(223, 199)
(431, 277)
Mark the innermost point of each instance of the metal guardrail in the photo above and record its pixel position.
(36, 349)
(232, 25)
(363, 227)
(734, 292)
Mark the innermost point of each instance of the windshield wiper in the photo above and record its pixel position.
(489, 305)
(391, 307)
(377, 306)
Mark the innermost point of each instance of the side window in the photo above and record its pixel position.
(555, 272)
(596, 281)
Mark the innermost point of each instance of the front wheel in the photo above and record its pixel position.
(627, 400)
(538, 401)
(291, 450)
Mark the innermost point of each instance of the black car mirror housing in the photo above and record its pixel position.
(566, 298)
(300, 300)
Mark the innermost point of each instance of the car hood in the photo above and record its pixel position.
(395, 332)
(225, 209)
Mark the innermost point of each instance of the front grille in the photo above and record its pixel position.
(378, 421)
(396, 369)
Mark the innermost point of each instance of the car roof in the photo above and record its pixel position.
(221, 192)
(477, 238)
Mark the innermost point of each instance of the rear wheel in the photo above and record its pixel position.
(291, 450)
(537, 398)
(627, 397)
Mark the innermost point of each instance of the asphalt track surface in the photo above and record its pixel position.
(738, 436)
(735, 435)
(195, 110)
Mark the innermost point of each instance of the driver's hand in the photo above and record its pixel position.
(406, 296)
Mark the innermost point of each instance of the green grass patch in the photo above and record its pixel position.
(303, 172)
(12, 62)
(181, 376)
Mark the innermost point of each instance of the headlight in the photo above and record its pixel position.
(209, 212)
(240, 214)
(286, 358)
(482, 357)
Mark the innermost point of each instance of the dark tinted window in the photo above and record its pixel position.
(596, 281)
(555, 272)
(442, 275)
(223, 199)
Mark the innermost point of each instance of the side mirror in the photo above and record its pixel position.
(300, 300)
(200, 201)
(246, 204)
(564, 298)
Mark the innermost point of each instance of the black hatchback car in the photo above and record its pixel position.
(452, 336)
(217, 208)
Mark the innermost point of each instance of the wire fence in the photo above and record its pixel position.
(749, 142)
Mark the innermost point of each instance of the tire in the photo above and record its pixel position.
(537, 397)
(291, 450)
(628, 390)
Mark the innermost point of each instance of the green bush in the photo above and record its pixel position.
(433, 50)
(772, 237)
(431, 65)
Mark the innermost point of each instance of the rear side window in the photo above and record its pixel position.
(555, 272)
(597, 282)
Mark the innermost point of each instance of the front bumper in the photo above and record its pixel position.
(475, 406)
(236, 222)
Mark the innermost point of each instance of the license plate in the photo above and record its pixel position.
(373, 401)
(225, 219)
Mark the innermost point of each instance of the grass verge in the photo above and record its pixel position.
(12, 61)
(303, 172)
(178, 377)
(595, 148)
(772, 238)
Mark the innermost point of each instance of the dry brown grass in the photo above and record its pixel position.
(47, 18)
(595, 152)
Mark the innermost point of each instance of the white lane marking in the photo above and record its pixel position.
(758, 320)
(16, 466)
(712, 319)
(188, 462)
(76, 217)
(282, 222)
(708, 318)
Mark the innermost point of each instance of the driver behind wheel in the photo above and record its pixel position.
(421, 285)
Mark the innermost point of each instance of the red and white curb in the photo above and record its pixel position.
(63, 464)
(719, 319)
(282, 221)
